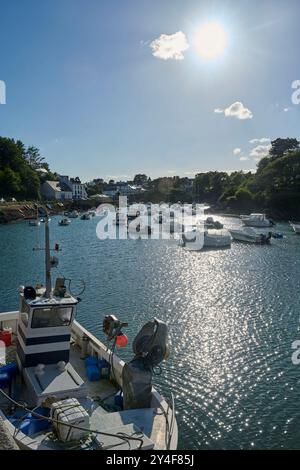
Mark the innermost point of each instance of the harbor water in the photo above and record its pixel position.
(232, 314)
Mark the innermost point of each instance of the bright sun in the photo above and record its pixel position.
(211, 40)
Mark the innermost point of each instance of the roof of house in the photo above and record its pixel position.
(58, 186)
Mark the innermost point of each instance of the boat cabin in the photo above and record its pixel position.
(43, 346)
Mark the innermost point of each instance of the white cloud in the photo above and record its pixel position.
(244, 158)
(237, 151)
(170, 46)
(286, 110)
(264, 140)
(236, 110)
(260, 151)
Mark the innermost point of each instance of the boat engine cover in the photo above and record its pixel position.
(137, 385)
(151, 343)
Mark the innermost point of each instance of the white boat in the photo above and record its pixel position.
(257, 220)
(73, 215)
(62, 388)
(296, 227)
(64, 222)
(197, 239)
(250, 235)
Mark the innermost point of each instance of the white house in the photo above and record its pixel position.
(56, 190)
(122, 188)
(74, 185)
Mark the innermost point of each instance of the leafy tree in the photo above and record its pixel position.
(10, 182)
(17, 177)
(34, 158)
(140, 180)
(280, 146)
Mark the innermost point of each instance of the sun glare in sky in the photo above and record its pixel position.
(211, 40)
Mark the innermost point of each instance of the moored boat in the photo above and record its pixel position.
(250, 235)
(64, 222)
(197, 239)
(86, 216)
(296, 227)
(257, 220)
(73, 214)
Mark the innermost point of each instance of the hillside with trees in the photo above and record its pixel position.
(275, 187)
(20, 170)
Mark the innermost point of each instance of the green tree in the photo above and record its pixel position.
(34, 158)
(140, 180)
(280, 146)
(10, 182)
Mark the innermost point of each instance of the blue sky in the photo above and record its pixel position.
(83, 84)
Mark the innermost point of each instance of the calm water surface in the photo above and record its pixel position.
(232, 314)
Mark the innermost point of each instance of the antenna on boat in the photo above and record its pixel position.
(47, 258)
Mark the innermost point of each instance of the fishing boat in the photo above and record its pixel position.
(296, 227)
(64, 222)
(62, 388)
(197, 239)
(257, 220)
(250, 235)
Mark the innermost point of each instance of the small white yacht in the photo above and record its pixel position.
(61, 388)
(197, 239)
(296, 227)
(257, 220)
(250, 235)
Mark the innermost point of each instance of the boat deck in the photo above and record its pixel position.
(101, 391)
(156, 425)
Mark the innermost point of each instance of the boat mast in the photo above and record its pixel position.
(47, 259)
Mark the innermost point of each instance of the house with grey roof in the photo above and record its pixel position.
(56, 190)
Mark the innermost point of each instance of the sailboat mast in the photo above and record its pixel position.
(47, 259)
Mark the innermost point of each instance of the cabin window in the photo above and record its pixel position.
(51, 317)
(24, 312)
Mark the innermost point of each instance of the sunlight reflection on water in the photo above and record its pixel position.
(232, 314)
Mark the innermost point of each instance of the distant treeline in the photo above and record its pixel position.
(275, 187)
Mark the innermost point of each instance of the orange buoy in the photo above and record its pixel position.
(121, 341)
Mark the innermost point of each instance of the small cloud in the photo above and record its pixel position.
(260, 151)
(244, 158)
(237, 151)
(286, 110)
(170, 46)
(236, 110)
(264, 140)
